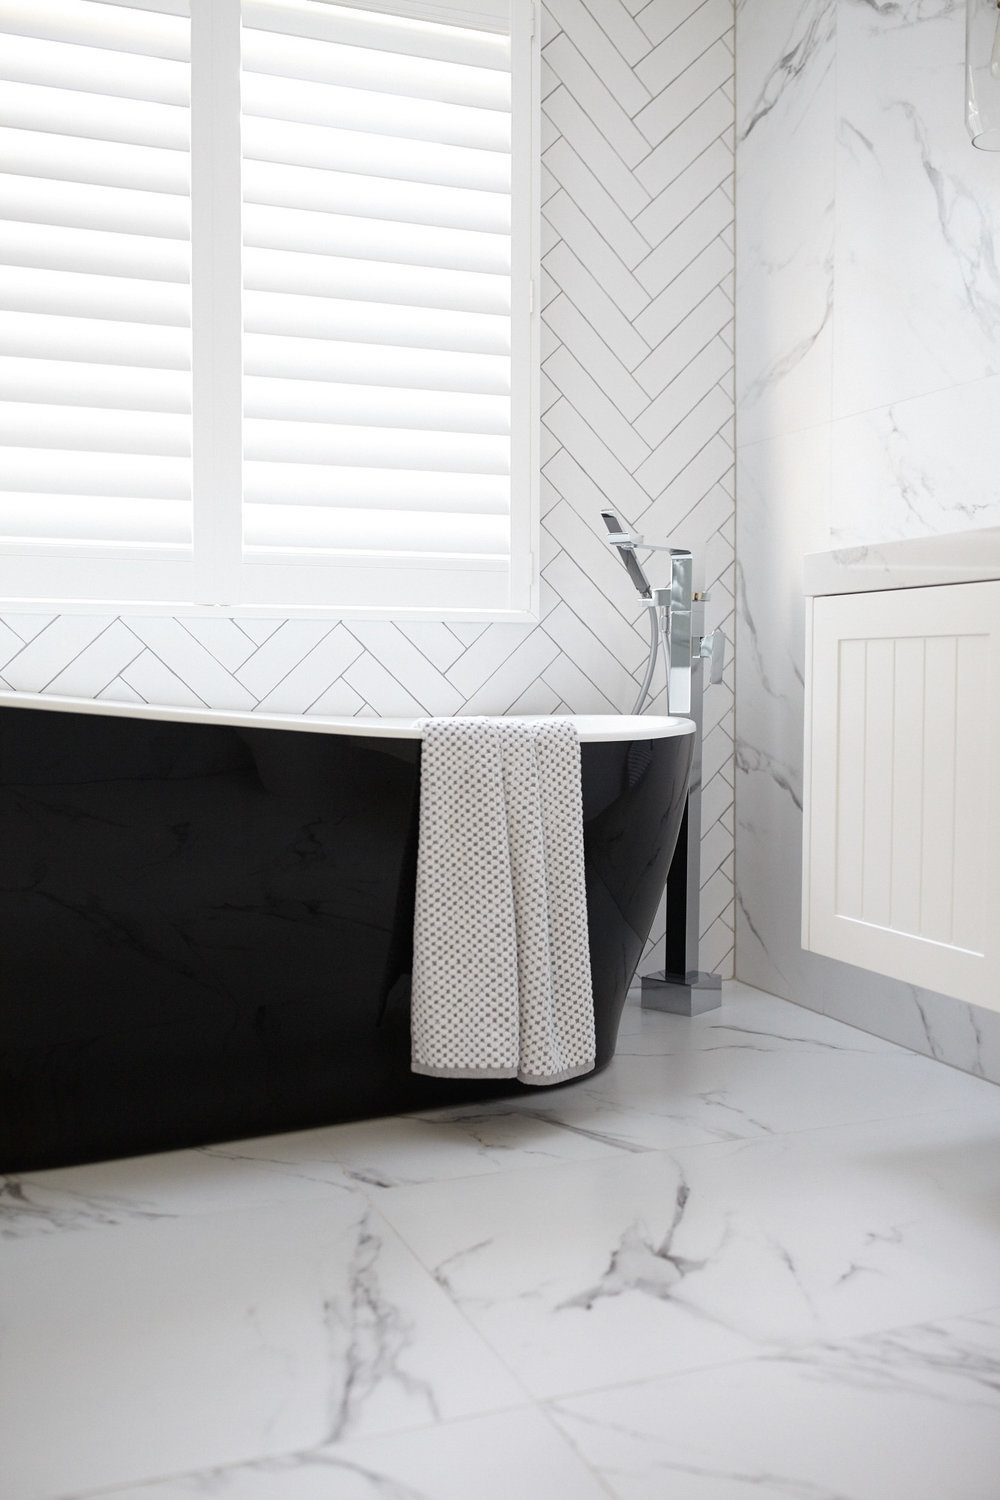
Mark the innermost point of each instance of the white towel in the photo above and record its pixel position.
(501, 962)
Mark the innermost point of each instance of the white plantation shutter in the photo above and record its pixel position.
(377, 306)
(359, 286)
(95, 383)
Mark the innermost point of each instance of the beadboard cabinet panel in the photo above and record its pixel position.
(901, 869)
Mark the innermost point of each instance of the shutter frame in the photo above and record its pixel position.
(435, 582)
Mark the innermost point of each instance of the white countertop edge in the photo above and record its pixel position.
(592, 728)
(912, 562)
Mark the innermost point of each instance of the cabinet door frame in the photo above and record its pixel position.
(882, 887)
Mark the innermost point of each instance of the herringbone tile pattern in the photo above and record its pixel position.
(637, 410)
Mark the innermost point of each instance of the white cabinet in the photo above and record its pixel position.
(902, 769)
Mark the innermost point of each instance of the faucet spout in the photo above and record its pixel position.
(624, 541)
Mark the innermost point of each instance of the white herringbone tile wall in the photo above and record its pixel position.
(637, 410)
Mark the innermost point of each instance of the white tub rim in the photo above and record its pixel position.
(592, 728)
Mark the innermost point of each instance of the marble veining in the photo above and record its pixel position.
(378, 1336)
(909, 324)
(919, 465)
(752, 643)
(639, 1265)
(810, 1425)
(762, 1212)
(811, 30)
(785, 81)
(881, 438)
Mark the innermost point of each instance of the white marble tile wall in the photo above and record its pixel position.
(868, 309)
(637, 410)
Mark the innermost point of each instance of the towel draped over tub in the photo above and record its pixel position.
(501, 961)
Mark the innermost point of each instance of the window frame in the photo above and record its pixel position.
(211, 577)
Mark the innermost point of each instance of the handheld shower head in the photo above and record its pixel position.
(620, 538)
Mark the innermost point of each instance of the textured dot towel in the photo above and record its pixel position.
(501, 962)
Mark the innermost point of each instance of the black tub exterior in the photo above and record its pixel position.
(206, 929)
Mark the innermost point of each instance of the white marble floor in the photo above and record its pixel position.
(758, 1257)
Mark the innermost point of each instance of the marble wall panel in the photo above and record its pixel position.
(917, 210)
(857, 185)
(785, 202)
(918, 467)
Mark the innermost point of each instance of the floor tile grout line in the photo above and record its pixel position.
(544, 1407)
(478, 1334)
(774, 1353)
(290, 1454)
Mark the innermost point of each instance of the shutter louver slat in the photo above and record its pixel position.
(389, 31)
(355, 193)
(72, 383)
(100, 252)
(74, 158)
(82, 206)
(287, 313)
(376, 489)
(416, 535)
(91, 70)
(382, 282)
(370, 406)
(271, 228)
(163, 7)
(38, 425)
(128, 30)
(94, 269)
(372, 447)
(377, 155)
(377, 288)
(97, 341)
(408, 75)
(46, 520)
(59, 112)
(65, 472)
(303, 359)
(296, 100)
(79, 294)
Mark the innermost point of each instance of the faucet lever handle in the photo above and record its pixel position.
(713, 650)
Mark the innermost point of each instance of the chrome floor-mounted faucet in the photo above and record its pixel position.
(677, 616)
(677, 621)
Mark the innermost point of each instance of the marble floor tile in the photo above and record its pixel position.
(153, 1347)
(747, 1019)
(912, 1412)
(170, 1185)
(511, 1454)
(465, 1141)
(758, 1243)
(596, 1113)
(299, 1166)
(605, 1272)
(738, 1072)
(678, 1080)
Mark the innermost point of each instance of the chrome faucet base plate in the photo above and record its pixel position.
(681, 994)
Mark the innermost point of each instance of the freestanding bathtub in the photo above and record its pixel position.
(206, 917)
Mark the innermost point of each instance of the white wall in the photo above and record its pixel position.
(868, 381)
(637, 410)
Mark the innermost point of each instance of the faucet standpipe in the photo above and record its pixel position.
(677, 620)
(674, 605)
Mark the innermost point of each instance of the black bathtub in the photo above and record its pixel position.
(205, 918)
